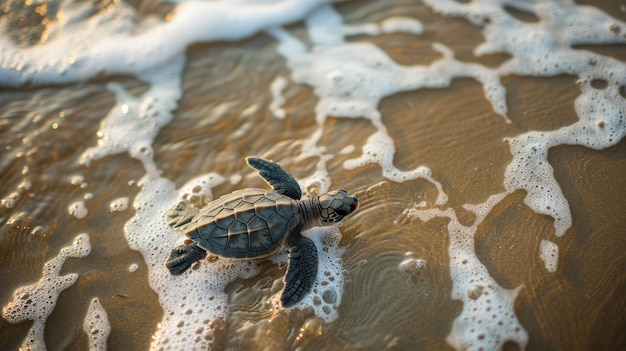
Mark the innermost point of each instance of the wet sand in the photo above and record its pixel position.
(453, 131)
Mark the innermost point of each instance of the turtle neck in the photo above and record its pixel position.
(310, 211)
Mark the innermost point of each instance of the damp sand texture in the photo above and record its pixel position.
(484, 140)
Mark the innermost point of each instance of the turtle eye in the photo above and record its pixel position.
(341, 212)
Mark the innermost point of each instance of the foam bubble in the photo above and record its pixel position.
(78, 209)
(78, 180)
(348, 149)
(133, 268)
(278, 85)
(24, 185)
(35, 302)
(401, 24)
(235, 178)
(549, 254)
(412, 264)
(10, 200)
(96, 325)
(119, 204)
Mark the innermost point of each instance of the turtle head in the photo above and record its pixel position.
(336, 205)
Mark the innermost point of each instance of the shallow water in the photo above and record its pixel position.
(394, 269)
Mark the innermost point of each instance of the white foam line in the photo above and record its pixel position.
(133, 123)
(549, 254)
(597, 128)
(488, 319)
(96, 325)
(401, 24)
(192, 300)
(544, 49)
(350, 79)
(538, 49)
(65, 59)
(35, 302)
(278, 100)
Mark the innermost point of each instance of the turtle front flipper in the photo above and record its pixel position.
(276, 176)
(182, 257)
(301, 269)
(180, 215)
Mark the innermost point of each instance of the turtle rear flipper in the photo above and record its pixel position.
(276, 176)
(182, 257)
(180, 215)
(301, 269)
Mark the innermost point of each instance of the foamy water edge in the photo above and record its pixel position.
(350, 79)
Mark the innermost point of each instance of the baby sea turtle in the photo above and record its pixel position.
(256, 223)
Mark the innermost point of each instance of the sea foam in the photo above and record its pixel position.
(537, 49)
(96, 325)
(350, 79)
(35, 302)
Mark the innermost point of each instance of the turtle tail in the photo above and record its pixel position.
(182, 257)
